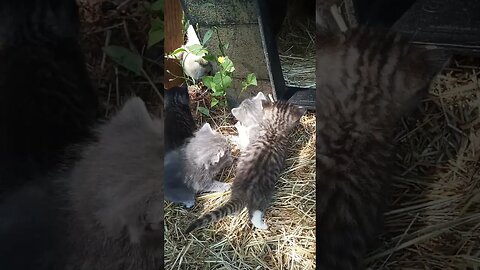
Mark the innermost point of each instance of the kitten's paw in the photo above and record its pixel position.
(224, 187)
(262, 226)
(219, 187)
(188, 204)
(257, 220)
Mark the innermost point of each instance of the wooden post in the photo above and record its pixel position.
(173, 40)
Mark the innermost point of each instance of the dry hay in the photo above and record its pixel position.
(232, 243)
(434, 221)
(296, 48)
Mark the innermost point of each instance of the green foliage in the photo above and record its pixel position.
(250, 81)
(197, 49)
(207, 36)
(221, 81)
(133, 61)
(203, 110)
(157, 5)
(156, 33)
(125, 58)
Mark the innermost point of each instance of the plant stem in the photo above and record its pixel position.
(220, 45)
(152, 84)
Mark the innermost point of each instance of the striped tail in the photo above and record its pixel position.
(232, 206)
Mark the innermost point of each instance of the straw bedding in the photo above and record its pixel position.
(232, 243)
(433, 221)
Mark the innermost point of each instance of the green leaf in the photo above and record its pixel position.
(156, 33)
(218, 94)
(251, 79)
(207, 36)
(157, 5)
(225, 46)
(227, 82)
(217, 79)
(125, 58)
(209, 57)
(214, 102)
(208, 81)
(203, 110)
(227, 65)
(197, 49)
(244, 86)
(177, 51)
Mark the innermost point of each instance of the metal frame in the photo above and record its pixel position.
(279, 88)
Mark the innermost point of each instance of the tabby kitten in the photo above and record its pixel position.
(259, 166)
(178, 117)
(46, 99)
(116, 195)
(366, 81)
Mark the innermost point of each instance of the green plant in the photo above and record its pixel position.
(131, 59)
(156, 33)
(221, 81)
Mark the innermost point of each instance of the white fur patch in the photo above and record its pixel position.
(189, 204)
(257, 220)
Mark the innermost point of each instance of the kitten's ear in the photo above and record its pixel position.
(330, 23)
(266, 104)
(299, 111)
(133, 112)
(236, 112)
(436, 59)
(176, 95)
(216, 158)
(260, 96)
(207, 128)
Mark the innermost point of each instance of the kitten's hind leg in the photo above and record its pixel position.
(179, 194)
(217, 186)
(256, 216)
(189, 204)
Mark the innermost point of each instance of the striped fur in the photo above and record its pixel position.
(259, 165)
(47, 102)
(366, 81)
(231, 207)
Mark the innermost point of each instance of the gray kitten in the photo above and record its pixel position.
(259, 166)
(249, 115)
(192, 168)
(116, 195)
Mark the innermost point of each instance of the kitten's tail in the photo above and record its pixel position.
(232, 206)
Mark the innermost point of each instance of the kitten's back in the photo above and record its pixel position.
(367, 79)
(179, 121)
(116, 192)
(205, 155)
(47, 101)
